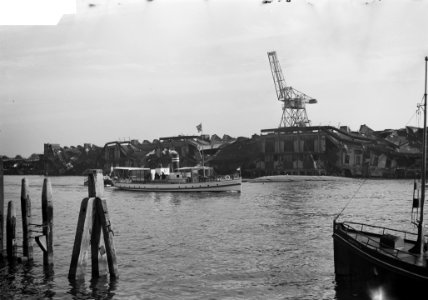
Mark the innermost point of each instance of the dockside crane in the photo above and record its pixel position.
(294, 102)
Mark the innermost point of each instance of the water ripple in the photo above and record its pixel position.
(272, 241)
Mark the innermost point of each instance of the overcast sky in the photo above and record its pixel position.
(120, 69)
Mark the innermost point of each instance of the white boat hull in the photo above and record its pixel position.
(233, 185)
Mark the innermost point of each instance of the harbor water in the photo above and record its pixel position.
(272, 241)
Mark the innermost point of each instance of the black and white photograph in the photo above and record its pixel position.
(213, 149)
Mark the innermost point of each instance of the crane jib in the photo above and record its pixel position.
(294, 102)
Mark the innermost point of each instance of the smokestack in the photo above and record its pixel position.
(175, 160)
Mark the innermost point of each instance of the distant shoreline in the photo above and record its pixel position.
(297, 178)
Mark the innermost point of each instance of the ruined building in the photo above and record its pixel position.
(325, 150)
(312, 150)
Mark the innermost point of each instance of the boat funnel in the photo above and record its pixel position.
(175, 160)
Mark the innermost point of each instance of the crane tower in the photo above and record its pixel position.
(294, 102)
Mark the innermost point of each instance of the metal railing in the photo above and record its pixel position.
(375, 244)
(134, 179)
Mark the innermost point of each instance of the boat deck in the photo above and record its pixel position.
(401, 253)
(372, 240)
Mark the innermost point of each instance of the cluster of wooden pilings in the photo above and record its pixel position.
(42, 233)
(93, 219)
(93, 222)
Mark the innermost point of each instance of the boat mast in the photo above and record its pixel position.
(202, 154)
(423, 179)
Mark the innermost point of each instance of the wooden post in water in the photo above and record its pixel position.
(93, 218)
(1, 209)
(11, 232)
(95, 183)
(47, 217)
(82, 240)
(27, 243)
(95, 241)
(104, 218)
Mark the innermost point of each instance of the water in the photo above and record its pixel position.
(272, 241)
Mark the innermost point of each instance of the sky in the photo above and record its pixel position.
(136, 69)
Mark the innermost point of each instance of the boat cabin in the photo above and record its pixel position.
(195, 174)
(181, 175)
(131, 174)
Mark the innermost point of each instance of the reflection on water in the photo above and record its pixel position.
(377, 287)
(272, 241)
(351, 288)
(27, 280)
(99, 288)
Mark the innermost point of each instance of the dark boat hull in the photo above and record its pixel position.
(368, 269)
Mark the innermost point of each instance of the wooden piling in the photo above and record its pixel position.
(93, 218)
(1, 209)
(27, 243)
(104, 218)
(81, 240)
(95, 183)
(11, 232)
(95, 242)
(47, 218)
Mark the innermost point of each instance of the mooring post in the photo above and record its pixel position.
(27, 243)
(1, 209)
(108, 237)
(82, 243)
(96, 190)
(93, 217)
(99, 255)
(47, 218)
(82, 240)
(95, 242)
(11, 232)
(95, 183)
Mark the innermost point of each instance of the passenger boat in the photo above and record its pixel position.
(186, 179)
(375, 257)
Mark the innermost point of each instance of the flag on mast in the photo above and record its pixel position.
(199, 127)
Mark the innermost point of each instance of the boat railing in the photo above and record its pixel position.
(381, 229)
(375, 243)
(225, 177)
(134, 179)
